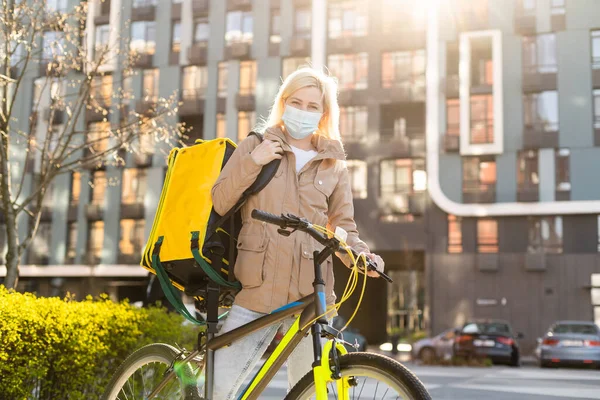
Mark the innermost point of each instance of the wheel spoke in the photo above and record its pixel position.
(376, 387)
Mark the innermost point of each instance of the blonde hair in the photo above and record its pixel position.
(310, 77)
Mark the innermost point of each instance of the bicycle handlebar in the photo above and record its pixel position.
(291, 221)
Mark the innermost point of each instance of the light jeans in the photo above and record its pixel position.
(233, 364)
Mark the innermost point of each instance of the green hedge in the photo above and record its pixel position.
(53, 348)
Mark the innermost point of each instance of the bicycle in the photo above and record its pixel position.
(335, 371)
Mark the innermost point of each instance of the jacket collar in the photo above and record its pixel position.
(326, 148)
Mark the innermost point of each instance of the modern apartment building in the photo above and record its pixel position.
(471, 129)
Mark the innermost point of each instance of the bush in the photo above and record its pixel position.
(53, 348)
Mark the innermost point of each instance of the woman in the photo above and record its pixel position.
(312, 182)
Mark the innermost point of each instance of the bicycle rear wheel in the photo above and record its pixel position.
(372, 376)
(143, 370)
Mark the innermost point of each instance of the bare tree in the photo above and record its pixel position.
(71, 82)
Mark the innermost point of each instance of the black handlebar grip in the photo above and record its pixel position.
(268, 217)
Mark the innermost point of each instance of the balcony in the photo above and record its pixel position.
(535, 262)
(528, 194)
(245, 102)
(72, 212)
(525, 22)
(239, 50)
(451, 143)
(534, 80)
(143, 60)
(133, 210)
(409, 203)
(300, 46)
(142, 159)
(274, 49)
(417, 203)
(130, 259)
(487, 262)
(558, 22)
(93, 259)
(198, 53)
(98, 110)
(537, 137)
(239, 5)
(58, 116)
(102, 13)
(176, 11)
(479, 193)
(221, 105)
(200, 8)
(173, 57)
(452, 86)
(143, 10)
(192, 102)
(94, 212)
(562, 195)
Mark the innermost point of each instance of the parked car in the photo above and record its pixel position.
(570, 342)
(493, 339)
(440, 346)
(351, 335)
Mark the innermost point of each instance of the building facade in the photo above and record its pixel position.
(471, 129)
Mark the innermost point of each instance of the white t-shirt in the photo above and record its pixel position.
(302, 157)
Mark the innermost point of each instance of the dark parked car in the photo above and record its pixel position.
(572, 343)
(493, 339)
(438, 347)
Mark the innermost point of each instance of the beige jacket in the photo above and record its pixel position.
(275, 270)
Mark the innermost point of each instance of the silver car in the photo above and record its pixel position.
(570, 342)
(437, 347)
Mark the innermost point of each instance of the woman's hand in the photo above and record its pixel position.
(266, 152)
(378, 261)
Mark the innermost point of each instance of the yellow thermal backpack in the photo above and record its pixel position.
(191, 247)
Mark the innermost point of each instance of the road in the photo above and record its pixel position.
(493, 383)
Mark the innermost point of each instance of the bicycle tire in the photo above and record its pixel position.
(163, 355)
(374, 364)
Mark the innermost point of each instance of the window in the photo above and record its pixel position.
(75, 188)
(563, 171)
(527, 170)
(98, 187)
(150, 84)
(596, 94)
(357, 170)
(353, 123)
(246, 121)
(54, 45)
(176, 37)
(545, 235)
(101, 39)
(194, 83)
(350, 69)
(98, 137)
(95, 241)
(40, 245)
(539, 54)
(247, 77)
(302, 23)
(56, 5)
(479, 174)
(398, 180)
(275, 36)
(222, 80)
(102, 89)
(482, 119)
(541, 111)
(135, 181)
(453, 117)
(239, 27)
(131, 242)
(454, 234)
(292, 64)
(347, 18)
(71, 242)
(557, 7)
(412, 14)
(487, 236)
(595, 49)
(403, 69)
(201, 30)
(143, 37)
(221, 126)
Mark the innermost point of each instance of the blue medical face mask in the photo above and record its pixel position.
(300, 123)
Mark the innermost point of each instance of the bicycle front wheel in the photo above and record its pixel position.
(371, 376)
(145, 369)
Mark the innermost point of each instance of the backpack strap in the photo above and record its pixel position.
(266, 173)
